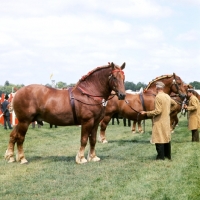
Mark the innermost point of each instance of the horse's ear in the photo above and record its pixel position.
(112, 65)
(123, 66)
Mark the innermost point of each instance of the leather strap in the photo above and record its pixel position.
(71, 97)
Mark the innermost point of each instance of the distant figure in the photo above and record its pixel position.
(129, 122)
(51, 126)
(113, 119)
(6, 113)
(33, 125)
(193, 109)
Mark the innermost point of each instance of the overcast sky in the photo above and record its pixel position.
(69, 38)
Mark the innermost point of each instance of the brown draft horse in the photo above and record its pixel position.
(84, 104)
(174, 115)
(132, 105)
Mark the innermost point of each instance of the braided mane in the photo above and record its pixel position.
(156, 79)
(83, 78)
(91, 72)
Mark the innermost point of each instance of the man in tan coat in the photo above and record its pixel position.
(193, 115)
(161, 133)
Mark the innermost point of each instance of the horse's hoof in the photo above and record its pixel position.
(104, 141)
(141, 132)
(81, 160)
(172, 131)
(133, 132)
(11, 160)
(23, 161)
(94, 159)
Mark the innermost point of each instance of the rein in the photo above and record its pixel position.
(142, 102)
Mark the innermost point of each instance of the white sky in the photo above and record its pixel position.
(70, 38)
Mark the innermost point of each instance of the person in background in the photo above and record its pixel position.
(6, 113)
(161, 133)
(193, 109)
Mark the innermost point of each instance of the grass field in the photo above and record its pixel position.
(127, 170)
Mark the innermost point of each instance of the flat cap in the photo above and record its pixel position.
(160, 84)
(190, 90)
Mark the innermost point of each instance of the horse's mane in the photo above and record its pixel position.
(83, 78)
(157, 79)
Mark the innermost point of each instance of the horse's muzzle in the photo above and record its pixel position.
(182, 96)
(121, 96)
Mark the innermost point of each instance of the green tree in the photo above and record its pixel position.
(140, 85)
(195, 84)
(6, 83)
(61, 84)
(130, 85)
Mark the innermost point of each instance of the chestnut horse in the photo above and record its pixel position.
(134, 103)
(180, 102)
(173, 115)
(82, 105)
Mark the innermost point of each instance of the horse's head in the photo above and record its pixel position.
(178, 86)
(116, 80)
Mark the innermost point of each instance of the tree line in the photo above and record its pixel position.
(8, 87)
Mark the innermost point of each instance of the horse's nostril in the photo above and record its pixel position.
(122, 96)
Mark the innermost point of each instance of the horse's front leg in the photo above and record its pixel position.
(134, 127)
(140, 127)
(103, 126)
(80, 157)
(92, 139)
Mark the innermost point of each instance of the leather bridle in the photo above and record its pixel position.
(174, 82)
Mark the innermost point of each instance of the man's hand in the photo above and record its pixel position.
(143, 112)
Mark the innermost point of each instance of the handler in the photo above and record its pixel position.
(193, 115)
(161, 133)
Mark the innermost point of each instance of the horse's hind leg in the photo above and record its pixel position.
(9, 155)
(17, 136)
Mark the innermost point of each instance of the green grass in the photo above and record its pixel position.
(127, 169)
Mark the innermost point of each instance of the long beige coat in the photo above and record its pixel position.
(193, 113)
(161, 132)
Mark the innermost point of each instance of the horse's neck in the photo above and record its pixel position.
(96, 86)
(152, 89)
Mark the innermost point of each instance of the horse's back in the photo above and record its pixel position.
(28, 93)
(41, 102)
